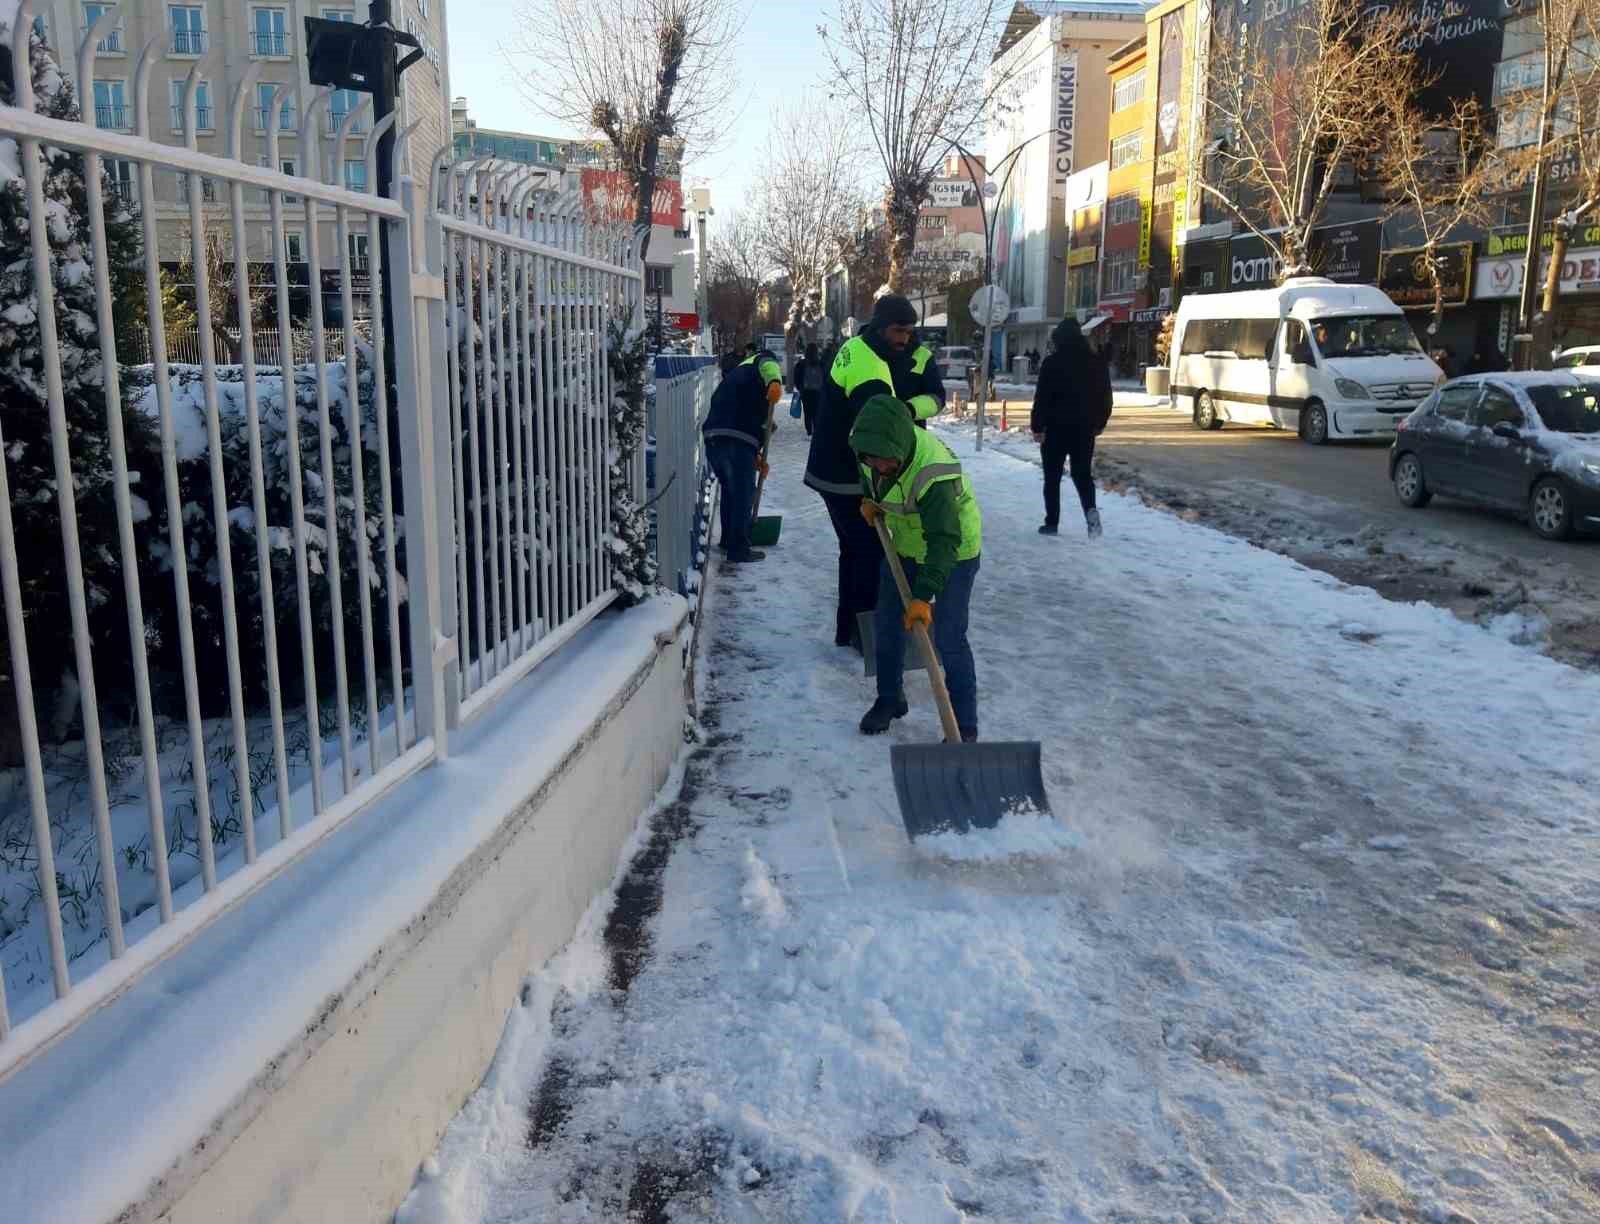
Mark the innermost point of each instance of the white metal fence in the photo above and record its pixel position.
(679, 479)
(183, 346)
(231, 591)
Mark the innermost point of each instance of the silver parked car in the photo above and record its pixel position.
(1527, 442)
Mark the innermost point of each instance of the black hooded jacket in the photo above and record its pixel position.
(1072, 400)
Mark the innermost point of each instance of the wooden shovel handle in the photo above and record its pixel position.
(762, 483)
(930, 657)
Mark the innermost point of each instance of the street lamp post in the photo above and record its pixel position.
(1009, 161)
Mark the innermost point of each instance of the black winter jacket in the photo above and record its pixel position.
(832, 465)
(739, 408)
(1073, 397)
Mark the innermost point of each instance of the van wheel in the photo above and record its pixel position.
(1205, 412)
(1314, 424)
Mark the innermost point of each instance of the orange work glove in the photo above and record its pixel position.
(871, 512)
(761, 466)
(918, 612)
(774, 394)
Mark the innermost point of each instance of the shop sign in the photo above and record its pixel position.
(1513, 240)
(1401, 276)
(1146, 218)
(951, 193)
(1502, 277)
(1153, 315)
(1347, 254)
(1078, 256)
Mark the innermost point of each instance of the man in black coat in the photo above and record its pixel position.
(1071, 406)
(810, 376)
(884, 359)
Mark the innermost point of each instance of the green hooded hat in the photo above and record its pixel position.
(883, 429)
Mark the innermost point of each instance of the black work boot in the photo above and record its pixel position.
(884, 711)
(755, 554)
(1049, 529)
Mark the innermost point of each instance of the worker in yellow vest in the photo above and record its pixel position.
(886, 358)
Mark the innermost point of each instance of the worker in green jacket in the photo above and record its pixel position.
(916, 484)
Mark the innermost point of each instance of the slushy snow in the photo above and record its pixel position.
(1311, 933)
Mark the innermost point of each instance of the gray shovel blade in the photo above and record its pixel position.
(869, 647)
(961, 787)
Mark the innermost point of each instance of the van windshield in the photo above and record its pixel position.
(1365, 336)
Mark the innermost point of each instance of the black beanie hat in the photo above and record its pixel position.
(892, 309)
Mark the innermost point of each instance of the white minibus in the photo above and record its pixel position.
(1325, 359)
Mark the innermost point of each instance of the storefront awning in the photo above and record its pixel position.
(1095, 321)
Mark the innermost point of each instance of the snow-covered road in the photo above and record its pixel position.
(1318, 938)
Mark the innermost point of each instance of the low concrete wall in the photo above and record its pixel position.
(341, 1140)
(301, 1056)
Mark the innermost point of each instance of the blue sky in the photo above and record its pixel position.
(778, 57)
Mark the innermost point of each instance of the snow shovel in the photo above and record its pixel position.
(764, 528)
(954, 786)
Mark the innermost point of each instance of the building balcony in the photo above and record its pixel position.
(190, 42)
(111, 117)
(203, 119)
(111, 44)
(336, 120)
(271, 44)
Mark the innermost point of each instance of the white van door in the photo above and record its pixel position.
(1295, 369)
(1246, 376)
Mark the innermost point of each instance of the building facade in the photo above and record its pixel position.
(1052, 99)
(221, 40)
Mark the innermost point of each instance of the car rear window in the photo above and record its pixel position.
(1568, 409)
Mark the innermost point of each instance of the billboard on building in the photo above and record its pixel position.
(951, 193)
(608, 195)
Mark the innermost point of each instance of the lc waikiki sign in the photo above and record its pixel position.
(1066, 119)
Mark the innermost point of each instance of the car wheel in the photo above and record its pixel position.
(1205, 412)
(1314, 426)
(1409, 485)
(1550, 509)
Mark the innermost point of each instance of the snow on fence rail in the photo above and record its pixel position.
(231, 590)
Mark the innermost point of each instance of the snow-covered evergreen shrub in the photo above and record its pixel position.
(24, 413)
(633, 567)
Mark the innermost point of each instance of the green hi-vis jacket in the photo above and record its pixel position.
(857, 364)
(929, 504)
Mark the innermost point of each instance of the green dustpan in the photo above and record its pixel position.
(765, 530)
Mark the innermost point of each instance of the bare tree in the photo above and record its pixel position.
(915, 73)
(1559, 113)
(738, 267)
(641, 73)
(1436, 172)
(1293, 101)
(219, 273)
(810, 205)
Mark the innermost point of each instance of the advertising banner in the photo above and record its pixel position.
(1401, 276)
(608, 195)
(1064, 121)
(951, 193)
(1501, 276)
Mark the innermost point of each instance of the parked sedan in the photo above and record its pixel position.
(1528, 442)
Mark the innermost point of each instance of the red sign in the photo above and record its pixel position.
(683, 320)
(609, 195)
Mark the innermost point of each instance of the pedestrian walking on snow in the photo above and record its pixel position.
(916, 484)
(1071, 406)
(885, 359)
(735, 433)
(809, 375)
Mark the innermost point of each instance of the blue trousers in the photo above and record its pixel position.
(734, 466)
(949, 637)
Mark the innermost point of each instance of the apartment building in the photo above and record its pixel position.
(222, 40)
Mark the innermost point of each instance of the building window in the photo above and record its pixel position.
(358, 253)
(658, 279)
(355, 174)
(111, 105)
(1122, 272)
(286, 165)
(119, 179)
(111, 44)
(1127, 149)
(1123, 209)
(264, 106)
(340, 104)
(339, 14)
(1129, 91)
(188, 30)
(294, 246)
(208, 189)
(269, 32)
(204, 120)
(422, 7)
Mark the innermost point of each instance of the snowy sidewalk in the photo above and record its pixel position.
(1316, 939)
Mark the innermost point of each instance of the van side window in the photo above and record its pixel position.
(1194, 337)
(1297, 344)
(1255, 337)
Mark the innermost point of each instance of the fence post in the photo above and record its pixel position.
(416, 258)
